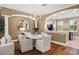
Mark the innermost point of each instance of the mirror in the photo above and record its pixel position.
(23, 25)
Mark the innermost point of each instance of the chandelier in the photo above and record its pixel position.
(35, 16)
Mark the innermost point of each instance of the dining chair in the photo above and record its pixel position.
(25, 43)
(6, 46)
(8, 38)
(43, 44)
(7, 49)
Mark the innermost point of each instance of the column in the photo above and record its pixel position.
(6, 24)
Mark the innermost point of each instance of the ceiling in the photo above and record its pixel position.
(65, 14)
(38, 9)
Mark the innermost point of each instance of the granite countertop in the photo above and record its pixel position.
(62, 32)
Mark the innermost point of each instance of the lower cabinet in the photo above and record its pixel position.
(60, 37)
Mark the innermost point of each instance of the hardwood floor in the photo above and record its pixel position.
(55, 50)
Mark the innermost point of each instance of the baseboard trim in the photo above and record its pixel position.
(63, 44)
(73, 47)
(59, 43)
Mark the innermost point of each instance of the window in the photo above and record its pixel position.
(72, 24)
(59, 25)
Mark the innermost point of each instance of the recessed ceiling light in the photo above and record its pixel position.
(62, 12)
(54, 14)
(75, 10)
